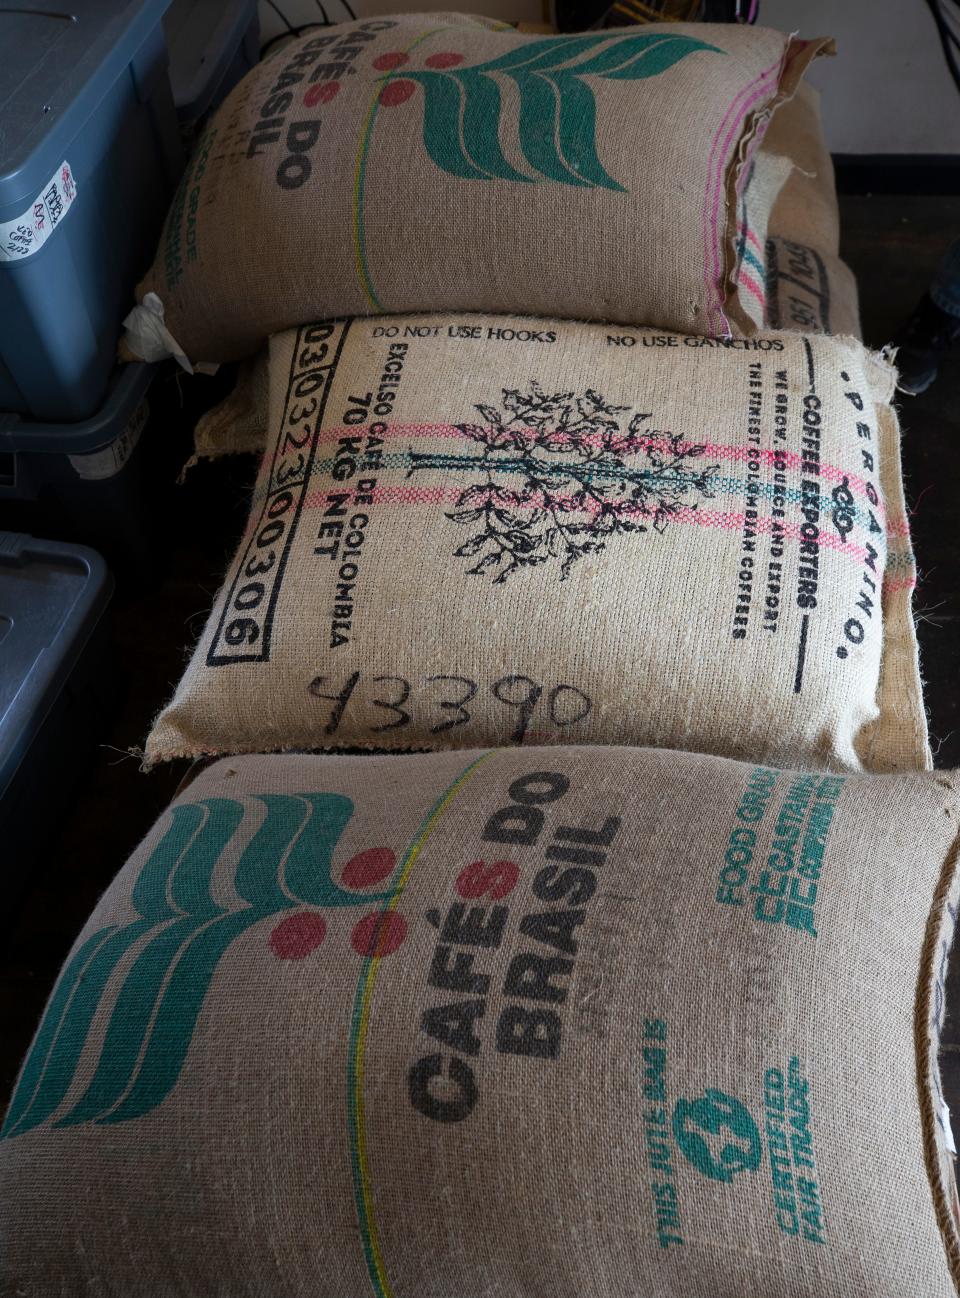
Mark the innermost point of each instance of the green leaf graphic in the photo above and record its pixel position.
(541, 106)
(158, 966)
(442, 110)
(552, 52)
(557, 126)
(577, 126)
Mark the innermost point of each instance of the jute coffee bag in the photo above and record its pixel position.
(762, 183)
(809, 290)
(446, 162)
(788, 270)
(489, 529)
(808, 286)
(585, 1023)
(237, 425)
(805, 208)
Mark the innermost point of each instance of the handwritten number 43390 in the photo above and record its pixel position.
(563, 706)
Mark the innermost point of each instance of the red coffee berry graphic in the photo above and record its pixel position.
(322, 94)
(444, 59)
(396, 92)
(379, 934)
(297, 935)
(368, 867)
(387, 62)
(482, 880)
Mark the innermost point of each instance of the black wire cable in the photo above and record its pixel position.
(952, 15)
(283, 17)
(293, 32)
(948, 40)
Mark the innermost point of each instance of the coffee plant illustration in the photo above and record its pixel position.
(557, 113)
(559, 475)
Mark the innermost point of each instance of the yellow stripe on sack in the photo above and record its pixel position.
(359, 177)
(361, 1018)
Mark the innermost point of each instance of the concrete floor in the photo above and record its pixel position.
(893, 244)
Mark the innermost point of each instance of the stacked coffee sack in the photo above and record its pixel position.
(577, 485)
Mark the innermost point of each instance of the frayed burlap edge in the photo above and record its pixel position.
(797, 56)
(898, 739)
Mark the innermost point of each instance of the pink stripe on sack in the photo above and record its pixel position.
(711, 450)
(724, 520)
(748, 282)
(745, 229)
(717, 288)
(902, 583)
(714, 185)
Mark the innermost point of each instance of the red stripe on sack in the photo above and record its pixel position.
(902, 583)
(745, 229)
(715, 186)
(711, 450)
(723, 520)
(750, 283)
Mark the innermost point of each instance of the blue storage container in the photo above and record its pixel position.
(90, 154)
(56, 683)
(211, 48)
(91, 480)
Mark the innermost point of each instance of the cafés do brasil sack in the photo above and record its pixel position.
(485, 529)
(788, 263)
(447, 162)
(586, 1022)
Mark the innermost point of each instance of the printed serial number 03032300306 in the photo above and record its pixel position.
(440, 703)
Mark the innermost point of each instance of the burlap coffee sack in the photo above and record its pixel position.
(808, 286)
(492, 530)
(589, 1023)
(446, 162)
(762, 182)
(809, 291)
(805, 209)
(237, 425)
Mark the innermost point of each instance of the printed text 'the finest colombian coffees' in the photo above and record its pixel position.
(486, 529)
(587, 1023)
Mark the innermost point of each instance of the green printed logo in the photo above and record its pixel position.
(464, 121)
(717, 1135)
(784, 880)
(557, 111)
(155, 970)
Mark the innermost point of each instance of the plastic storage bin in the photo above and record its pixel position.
(211, 47)
(55, 683)
(89, 157)
(90, 480)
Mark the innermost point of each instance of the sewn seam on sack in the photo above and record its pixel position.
(939, 929)
(715, 248)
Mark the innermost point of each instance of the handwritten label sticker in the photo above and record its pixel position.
(27, 233)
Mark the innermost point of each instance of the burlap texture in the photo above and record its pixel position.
(788, 265)
(577, 1022)
(443, 162)
(491, 530)
(810, 291)
(762, 183)
(237, 425)
(808, 286)
(805, 210)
